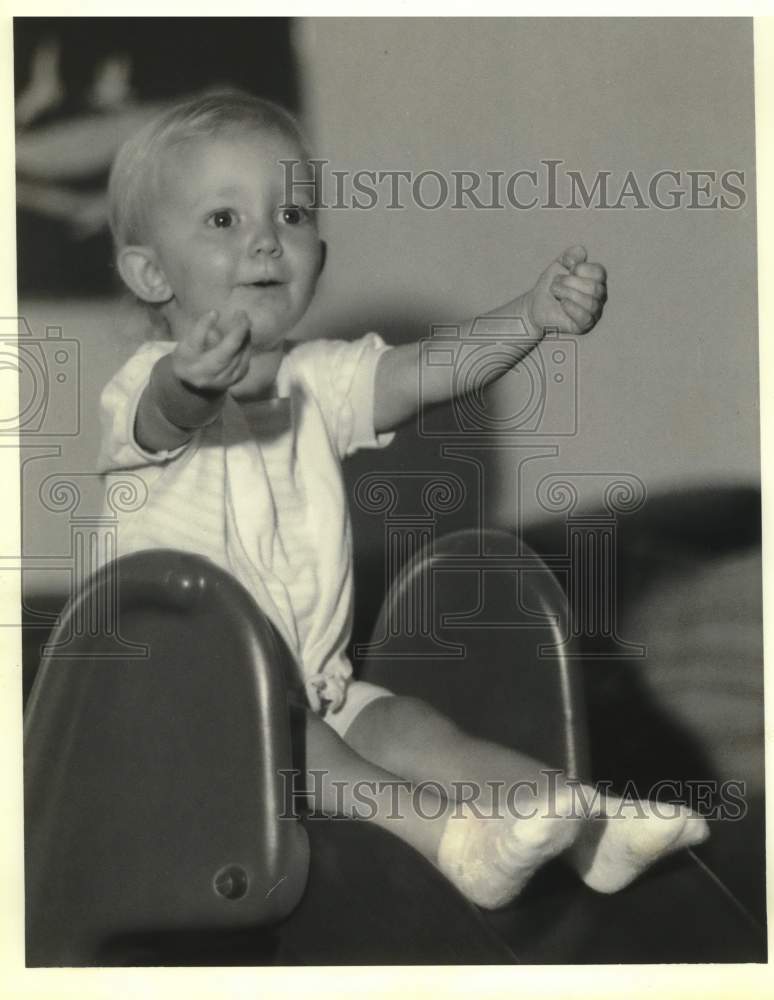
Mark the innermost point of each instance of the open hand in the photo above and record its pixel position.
(569, 295)
(214, 359)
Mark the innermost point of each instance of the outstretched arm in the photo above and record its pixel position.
(187, 387)
(568, 297)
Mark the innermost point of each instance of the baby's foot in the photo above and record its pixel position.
(490, 860)
(614, 849)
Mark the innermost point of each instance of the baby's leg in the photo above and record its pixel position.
(612, 841)
(489, 849)
(340, 782)
(488, 860)
(409, 737)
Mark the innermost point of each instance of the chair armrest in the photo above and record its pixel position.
(478, 627)
(154, 740)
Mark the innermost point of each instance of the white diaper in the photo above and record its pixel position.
(359, 694)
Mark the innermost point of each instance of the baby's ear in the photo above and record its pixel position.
(140, 270)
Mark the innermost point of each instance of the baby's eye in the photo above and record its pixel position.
(222, 219)
(294, 215)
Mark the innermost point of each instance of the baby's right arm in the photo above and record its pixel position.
(187, 387)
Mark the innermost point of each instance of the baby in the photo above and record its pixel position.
(239, 436)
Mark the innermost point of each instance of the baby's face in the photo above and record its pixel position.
(226, 240)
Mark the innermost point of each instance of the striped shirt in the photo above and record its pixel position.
(261, 493)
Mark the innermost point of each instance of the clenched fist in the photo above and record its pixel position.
(569, 295)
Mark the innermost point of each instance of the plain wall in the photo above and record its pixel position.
(667, 384)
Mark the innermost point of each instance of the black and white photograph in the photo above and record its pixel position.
(449, 654)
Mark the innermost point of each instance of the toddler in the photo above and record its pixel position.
(239, 436)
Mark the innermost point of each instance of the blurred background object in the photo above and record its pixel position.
(82, 87)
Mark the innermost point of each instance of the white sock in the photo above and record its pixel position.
(490, 860)
(614, 849)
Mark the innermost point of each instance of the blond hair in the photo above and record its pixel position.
(134, 174)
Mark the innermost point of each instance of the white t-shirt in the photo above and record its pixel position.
(260, 492)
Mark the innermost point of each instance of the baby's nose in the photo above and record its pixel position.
(264, 239)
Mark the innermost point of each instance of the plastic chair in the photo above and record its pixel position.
(158, 821)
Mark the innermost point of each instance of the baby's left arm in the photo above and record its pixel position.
(568, 297)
